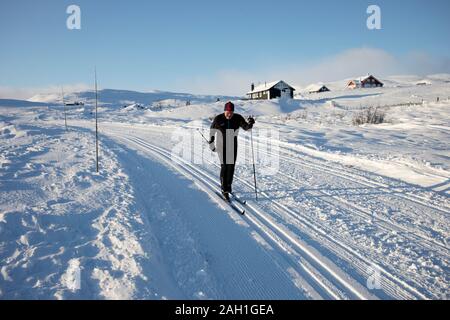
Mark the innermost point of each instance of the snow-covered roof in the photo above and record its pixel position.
(362, 78)
(266, 86)
(315, 87)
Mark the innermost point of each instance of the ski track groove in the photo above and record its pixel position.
(364, 214)
(374, 187)
(355, 178)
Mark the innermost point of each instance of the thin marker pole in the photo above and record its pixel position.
(96, 119)
(65, 111)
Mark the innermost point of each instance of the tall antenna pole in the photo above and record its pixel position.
(64, 104)
(96, 119)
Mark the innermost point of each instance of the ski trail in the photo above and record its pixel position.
(352, 292)
(391, 287)
(352, 257)
(289, 153)
(366, 214)
(241, 262)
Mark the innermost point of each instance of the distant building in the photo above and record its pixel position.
(317, 88)
(368, 81)
(76, 103)
(271, 90)
(423, 83)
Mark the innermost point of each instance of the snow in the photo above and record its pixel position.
(341, 205)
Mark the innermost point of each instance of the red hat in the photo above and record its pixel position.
(229, 106)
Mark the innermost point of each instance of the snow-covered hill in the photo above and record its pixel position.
(113, 97)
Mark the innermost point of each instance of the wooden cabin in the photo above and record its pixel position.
(271, 90)
(368, 81)
(317, 88)
(423, 83)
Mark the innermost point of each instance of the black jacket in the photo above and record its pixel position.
(219, 128)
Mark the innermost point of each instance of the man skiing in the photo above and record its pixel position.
(223, 139)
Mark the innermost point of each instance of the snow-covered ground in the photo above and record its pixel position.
(344, 211)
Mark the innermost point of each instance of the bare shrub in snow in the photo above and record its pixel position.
(370, 115)
(338, 115)
(296, 115)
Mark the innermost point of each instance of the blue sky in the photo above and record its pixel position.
(216, 46)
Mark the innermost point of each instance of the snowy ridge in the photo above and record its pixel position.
(113, 97)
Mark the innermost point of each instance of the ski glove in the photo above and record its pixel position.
(251, 121)
(212, 147)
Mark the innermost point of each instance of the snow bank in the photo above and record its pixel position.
(65, 231)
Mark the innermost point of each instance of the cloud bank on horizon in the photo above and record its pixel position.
(344, 65)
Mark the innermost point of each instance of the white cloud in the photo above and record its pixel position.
(226, 82)
(350, 63)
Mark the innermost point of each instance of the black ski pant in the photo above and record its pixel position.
(226, 176)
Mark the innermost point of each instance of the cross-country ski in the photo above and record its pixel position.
(231, 204)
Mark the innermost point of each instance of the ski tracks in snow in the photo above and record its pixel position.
(330, 242)
(307, 268)
(222, 263)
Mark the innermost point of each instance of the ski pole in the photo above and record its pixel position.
(207, 141)
(203, 136)
(254, 170)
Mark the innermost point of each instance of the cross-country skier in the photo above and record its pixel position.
(223, 139)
